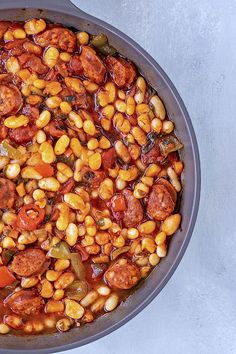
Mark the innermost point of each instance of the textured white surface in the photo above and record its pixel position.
(194, 42)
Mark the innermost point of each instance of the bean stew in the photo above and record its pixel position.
(90, 177)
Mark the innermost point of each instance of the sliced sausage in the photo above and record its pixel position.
(15, 47)
(76, 67)
(93, 66)
(5, 78)
(169, 187)
(59, 37)
(28, 262)
(3, 27)
(25, 302)
(23, 134)
(152, 155)
(123, 274)
(34, 63)
(14, 44)
(160, 203)
(134, 213)
(3, 58)
(10, 99)
(7, 193)
(3, 131)
(122, 71)
(30, 47)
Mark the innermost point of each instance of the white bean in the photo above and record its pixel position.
(174, 179)
(98, 304)
(103, 290)
(158, 107)
(112, 302)
(89, 298)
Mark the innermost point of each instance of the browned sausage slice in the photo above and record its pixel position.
(169, 187)
(34, 63)
(92, 65)
(75, 65)
(16, 43)
(122, 71)
(28, 262)
(59, 37)
(7, 193)
(15, 47)
(134, 213)
(23, 134)
(3, 131)
(123, 274)
(160, 203)
(25, 302)
(10, 99)
(3, 27)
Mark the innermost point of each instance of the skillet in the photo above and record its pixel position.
(65, 12)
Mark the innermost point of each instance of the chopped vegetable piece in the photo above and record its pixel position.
(99, 40)
(77, 290)
(151, 140)
(169, 144)
(7, 150)
(107, 49)
(101, 222)
(95, 272)
(83, 253)
(101, 43)
(119, 251)
(109, 158)
(77, 265)
(6, 277)
(118, 203)
(29, 217)
(67, 160)
(60, 251)
(7, 256)
(69, 98)
(45, 169)
(40, 233)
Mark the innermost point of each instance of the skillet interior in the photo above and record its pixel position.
(70, 16)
